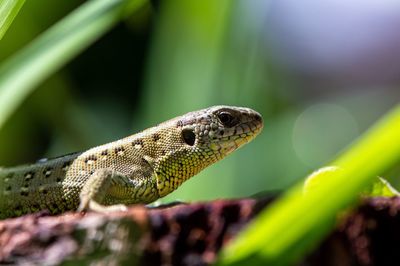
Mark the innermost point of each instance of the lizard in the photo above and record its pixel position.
(140, 168)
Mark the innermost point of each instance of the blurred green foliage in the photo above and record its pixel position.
(69, 82)
(168, 59)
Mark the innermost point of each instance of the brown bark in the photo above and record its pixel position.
(188, 234)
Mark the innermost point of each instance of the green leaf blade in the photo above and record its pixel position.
(8, 11)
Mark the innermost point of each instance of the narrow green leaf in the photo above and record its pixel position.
(379, 188)
(55, 47)
(296, 222)
(8, 11)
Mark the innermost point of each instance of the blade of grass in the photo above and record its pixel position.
(55, 47)
(8, 11)
(295, 223)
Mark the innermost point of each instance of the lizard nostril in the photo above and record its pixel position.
(258, 118)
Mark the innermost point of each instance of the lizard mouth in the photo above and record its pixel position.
(237, 136)
(246, 130)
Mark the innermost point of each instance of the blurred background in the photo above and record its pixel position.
(320, 73)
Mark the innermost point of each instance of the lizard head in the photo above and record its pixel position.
(204, 137)
(219, 130)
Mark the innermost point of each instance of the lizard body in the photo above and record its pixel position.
(137, 169)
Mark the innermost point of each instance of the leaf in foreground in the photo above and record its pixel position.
(295, 223)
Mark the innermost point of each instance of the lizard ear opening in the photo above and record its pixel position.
(188, 136)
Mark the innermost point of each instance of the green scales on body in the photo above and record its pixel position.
(137, 169)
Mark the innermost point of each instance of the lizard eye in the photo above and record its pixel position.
(227, 119)
(188, 136)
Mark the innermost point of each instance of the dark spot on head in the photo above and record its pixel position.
(24, 193)
(222, 132)
(58, 179)
(156, 137)
(104, 153)
(188, 136)
(18, 208)
(45, 191)
(26, 185)
(8, 188)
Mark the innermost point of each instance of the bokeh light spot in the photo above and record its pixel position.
(321, 131)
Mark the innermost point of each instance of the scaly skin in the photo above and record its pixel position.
(137, 169)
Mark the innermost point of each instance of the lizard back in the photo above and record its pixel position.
(148, 165)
